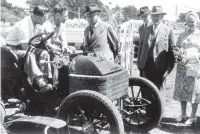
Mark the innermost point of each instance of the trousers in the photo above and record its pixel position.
(32, 67)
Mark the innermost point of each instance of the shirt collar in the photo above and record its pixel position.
(95, 25)
(51, 20)
(30, 23)
(157, 27)
(147, 24)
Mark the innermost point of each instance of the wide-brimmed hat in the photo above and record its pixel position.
(157, 10)
(91, 8)
(144, 10)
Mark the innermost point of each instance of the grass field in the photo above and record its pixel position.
(168, 124)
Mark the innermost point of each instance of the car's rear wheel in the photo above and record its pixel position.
(142, 109)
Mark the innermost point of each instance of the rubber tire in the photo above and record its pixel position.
(146, 127)
(94, 98)
(2, 112)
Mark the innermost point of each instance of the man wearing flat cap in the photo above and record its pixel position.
(17, 40)
(100, 37)
(156, 59)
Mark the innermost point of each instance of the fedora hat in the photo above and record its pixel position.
(91, 8)
(157, 10)
(144, 10)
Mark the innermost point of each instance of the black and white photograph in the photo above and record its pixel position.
(100, 67)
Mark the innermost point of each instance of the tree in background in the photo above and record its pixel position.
(76, 9)
(10, 13)
(124, 14)
(4, 3)
(129, 12)
(117, 17)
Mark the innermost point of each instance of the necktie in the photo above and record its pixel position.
(91, 29)
(155, 29)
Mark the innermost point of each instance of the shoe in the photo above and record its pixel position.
(191, 121)
(47, 87)
(43, 84)
(40, 81)
(181, 118)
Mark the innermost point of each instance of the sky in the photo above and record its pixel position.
(169, 6)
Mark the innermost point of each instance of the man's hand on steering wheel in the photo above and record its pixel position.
(40, 39)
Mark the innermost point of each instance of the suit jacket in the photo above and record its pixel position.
(162, 52)
(104, 41)
(141, 29)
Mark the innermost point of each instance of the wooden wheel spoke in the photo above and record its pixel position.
(94, 115)
(82, 113)
(138, 121)
(105, 128)
(77, 128)
(143, 115)
(138, 92)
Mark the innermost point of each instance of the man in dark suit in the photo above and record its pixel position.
(100, 37)
(155, 56)
(145, 17)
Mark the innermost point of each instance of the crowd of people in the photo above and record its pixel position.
(157, 53)
(76, 23)
(5, 24)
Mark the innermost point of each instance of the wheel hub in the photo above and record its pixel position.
(87, 127)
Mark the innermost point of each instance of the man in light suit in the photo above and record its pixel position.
(100, 37)
(155, 57)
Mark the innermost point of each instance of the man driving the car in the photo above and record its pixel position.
(56, 23)
(38, 72)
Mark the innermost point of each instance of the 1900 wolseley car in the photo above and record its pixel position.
(93, 95)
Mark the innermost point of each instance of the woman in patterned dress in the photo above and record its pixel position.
(187, 89)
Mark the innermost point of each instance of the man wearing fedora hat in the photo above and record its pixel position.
(100, 37)
(155, 57)
(145, 17)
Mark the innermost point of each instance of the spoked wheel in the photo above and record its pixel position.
(142, 109)
(89, 112)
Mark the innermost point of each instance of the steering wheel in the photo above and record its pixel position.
(39, 40)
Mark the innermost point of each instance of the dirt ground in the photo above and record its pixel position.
(168, 123)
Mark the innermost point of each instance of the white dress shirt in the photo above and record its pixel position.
(21, 32)
(59, 32)
(156, 28)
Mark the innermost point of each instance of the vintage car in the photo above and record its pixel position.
(93, 95)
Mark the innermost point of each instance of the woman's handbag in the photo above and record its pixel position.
(193, 69)
(193, 64)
